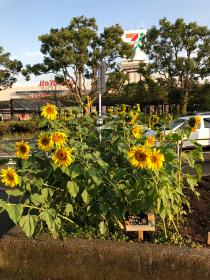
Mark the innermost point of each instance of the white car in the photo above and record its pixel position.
(201, 135)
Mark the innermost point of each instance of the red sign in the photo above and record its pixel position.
(53, 83)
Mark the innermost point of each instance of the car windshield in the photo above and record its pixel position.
(176, 123)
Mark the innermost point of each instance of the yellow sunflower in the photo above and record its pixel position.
(194, 123)
(59, 138)
(132, 118)
(49, 111)
(138, 108)
(110, 110)
(150, 141)
(62, 157)
(22, 150)
(9, 177)
(136, 131)
(153, 120)
(156, 160)
(44, 142)
(138, 157)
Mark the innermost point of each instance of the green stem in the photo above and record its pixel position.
(43, 209)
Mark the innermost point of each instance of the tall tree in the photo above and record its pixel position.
(73, 54)
(179, 56)
(8, 69)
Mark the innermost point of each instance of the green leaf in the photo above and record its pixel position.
(47, 193)
(95, 176)
(37, 199)
(28, 187)
(39, 182)
(66, 170)
(73, 188)
(14, 211)
(3, 204)
(14, 192)
(28, 224)
(85, 196)
(192, 182)
(69, 209)
(75, 171)
(42, 123)
(102, 163)
(53, 223)
(102, 228)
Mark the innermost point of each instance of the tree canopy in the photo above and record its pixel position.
(8, 69)
(179, 56)
(73, 54)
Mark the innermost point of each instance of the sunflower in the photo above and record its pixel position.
(138, 108)
(44, 142)
(9, 177)
(22, 150)
(156, 160)
(150, 141)
(49, 111)
(194, 123)
(62, 157)
(59, 138)
(153, 120)
(138, 156)
(136, 131)
(132, 118)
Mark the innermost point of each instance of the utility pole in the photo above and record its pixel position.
(102, 89)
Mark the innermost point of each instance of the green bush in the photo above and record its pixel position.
(13, 127)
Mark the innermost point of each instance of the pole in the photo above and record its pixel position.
(102, 89)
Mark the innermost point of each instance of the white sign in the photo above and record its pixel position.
(134, 38)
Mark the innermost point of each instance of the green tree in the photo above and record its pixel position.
(179, 56)
(73, 54)
(8, 69)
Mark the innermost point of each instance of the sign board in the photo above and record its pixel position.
(102, 77)
(140, 224)
(134, 38)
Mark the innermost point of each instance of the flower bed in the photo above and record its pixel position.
(73, 180)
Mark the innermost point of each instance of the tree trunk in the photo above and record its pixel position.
(184, 103)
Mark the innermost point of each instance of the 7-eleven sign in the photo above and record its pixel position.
(135, 39)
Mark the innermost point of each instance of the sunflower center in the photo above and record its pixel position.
(23, 149)
(10, 176)
(154, 159)
(50, 110)
(45, 141)
(62, 155)
(57, 138)
(140, 156)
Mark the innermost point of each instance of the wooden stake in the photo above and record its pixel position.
(208, 241)
(140, 235)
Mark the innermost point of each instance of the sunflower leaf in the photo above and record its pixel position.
(73, 188)
(14, 211)
(28, 224)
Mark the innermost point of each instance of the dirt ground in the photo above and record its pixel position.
(198, 221)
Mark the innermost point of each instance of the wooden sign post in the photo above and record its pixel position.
(140, 228)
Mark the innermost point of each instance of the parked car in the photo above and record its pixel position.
(200, 136)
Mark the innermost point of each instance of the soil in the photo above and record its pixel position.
(198, 221)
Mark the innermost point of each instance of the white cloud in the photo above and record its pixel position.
(33, 54)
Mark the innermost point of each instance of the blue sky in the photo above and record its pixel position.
(21, 21)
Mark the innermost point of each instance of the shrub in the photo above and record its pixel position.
(11, 127)
(92, 182)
